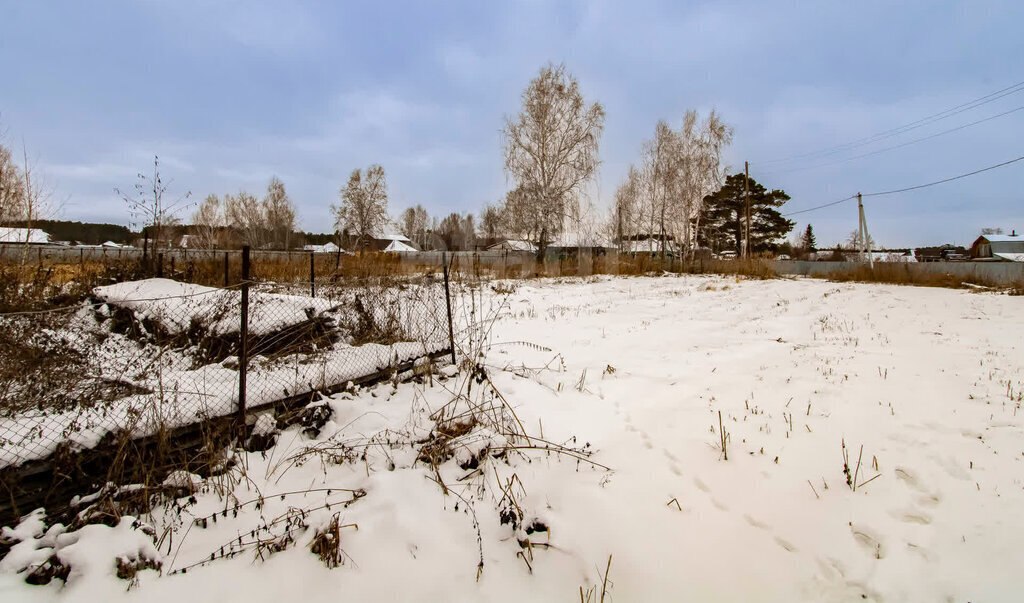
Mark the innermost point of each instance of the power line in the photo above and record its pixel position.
(911, 188)
(988, 98)
(816, 207)
(898, 146)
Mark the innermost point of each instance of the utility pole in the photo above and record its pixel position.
(863, 230)
(619, 242)
(746, 196)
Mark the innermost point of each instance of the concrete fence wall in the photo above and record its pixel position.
(63, 253)
(1000, 273)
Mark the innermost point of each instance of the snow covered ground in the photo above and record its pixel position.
(630, 374)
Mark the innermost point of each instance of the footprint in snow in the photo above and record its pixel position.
(755, 523)
(831, 568)
(951, 467)
(911, 515)
(869, 541)
(907, 477)
(919, 550)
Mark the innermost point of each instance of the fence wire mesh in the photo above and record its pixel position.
(150, 355)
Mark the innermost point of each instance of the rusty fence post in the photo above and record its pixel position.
(448, 303)
(243, 338)
(312, 275)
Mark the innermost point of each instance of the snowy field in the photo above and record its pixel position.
(628, 376)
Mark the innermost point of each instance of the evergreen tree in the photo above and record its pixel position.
(723, 218)
(807, 242)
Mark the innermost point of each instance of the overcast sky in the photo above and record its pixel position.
(229, 94)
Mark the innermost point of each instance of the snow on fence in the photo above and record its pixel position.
(141, 357)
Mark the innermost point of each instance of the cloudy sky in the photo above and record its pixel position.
(230, 93)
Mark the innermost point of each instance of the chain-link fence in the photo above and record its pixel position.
(147, 357)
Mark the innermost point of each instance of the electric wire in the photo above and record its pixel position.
(906, 189)
(827, 151)
(911, 188)
(898, 146)
(817, 207)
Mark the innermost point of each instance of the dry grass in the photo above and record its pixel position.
(50, 281)
(525, 267)
(46, 285)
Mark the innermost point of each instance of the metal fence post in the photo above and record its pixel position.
(243, 338)
(448, 303)
(160, 265)
(226, 281)
(312, 276)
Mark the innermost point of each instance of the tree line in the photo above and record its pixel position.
(675, 198)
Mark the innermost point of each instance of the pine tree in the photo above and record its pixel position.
(807, 242)
(724, 216)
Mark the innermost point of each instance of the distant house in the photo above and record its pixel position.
(845, 255)
(646, 243)
(998, 248)
(574, 242)
(327, 247)
(881, 256)
(111, 245)
(513, 245)
(397, 246)
(31, 236)
(381, 242)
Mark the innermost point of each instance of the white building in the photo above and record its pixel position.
(32, 236)
(514, 245)
(325, 248)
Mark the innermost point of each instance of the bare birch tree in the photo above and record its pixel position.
(209, 223)
(661, 164)
(551, 151)
(245, 215)
(467, 232)
(34, 200)
(148, 206)
(364, 203)
(414, 223)
(663, 198)
(491, 222)
(700, 150)
(12, 188)
(628, 214)
(279, 213)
